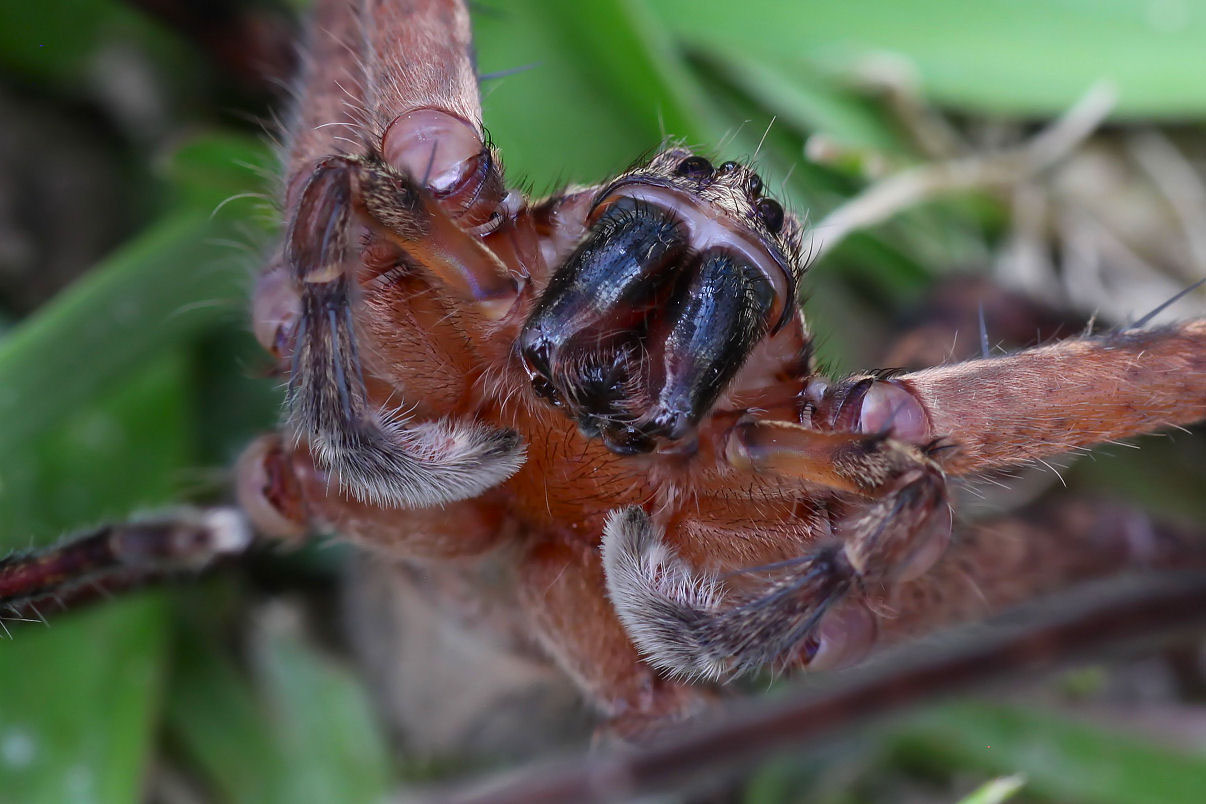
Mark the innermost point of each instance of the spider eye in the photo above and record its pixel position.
(771, 214)
(694, 167)
(753, 185)
(729, 167)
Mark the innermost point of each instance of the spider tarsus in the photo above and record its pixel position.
(661, 601)
(686, 622)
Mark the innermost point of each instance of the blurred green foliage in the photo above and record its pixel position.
(117, 391)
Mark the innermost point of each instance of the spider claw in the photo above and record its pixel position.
(904, 533)
(843, 637)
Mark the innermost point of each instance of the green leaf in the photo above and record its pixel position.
(157, 292)
(605, 85)
(1060, 758)
(215, 716)
(301, 730)
(78, 699)
(631, 57)
(806, 100)
(177, 279)
(552, 123)
(210, 170)
(78, 704)
(333, 745)
(1029, 57)
(97, 391)
(996, 790)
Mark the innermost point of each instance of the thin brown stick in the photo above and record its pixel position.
(1104, 619)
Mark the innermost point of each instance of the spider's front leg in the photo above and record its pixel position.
(1022, 407)
(421, 196)
(376, 456)
(861, 436)
(887, 524)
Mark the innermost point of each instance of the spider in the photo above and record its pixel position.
(613, 389)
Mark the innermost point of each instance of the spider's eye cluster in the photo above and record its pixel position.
(694, 167)
(771, 213)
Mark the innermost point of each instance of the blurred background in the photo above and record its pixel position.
(136, 201)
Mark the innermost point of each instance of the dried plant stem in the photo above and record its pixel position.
(1180, 183)
(995, 170)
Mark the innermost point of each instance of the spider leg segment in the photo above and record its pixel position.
(424, 181)
(695, 624)
(378, 457)
(1074, 393)
(123, 555)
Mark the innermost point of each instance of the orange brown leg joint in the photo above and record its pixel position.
(286, 496)
(564, 592)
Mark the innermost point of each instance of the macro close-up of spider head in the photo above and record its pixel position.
(572, 449)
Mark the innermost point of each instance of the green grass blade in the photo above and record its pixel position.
(1060, 758)
(1031, 57)
(299, 730)
(162, 288)
(97, 391)
(79, 699)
